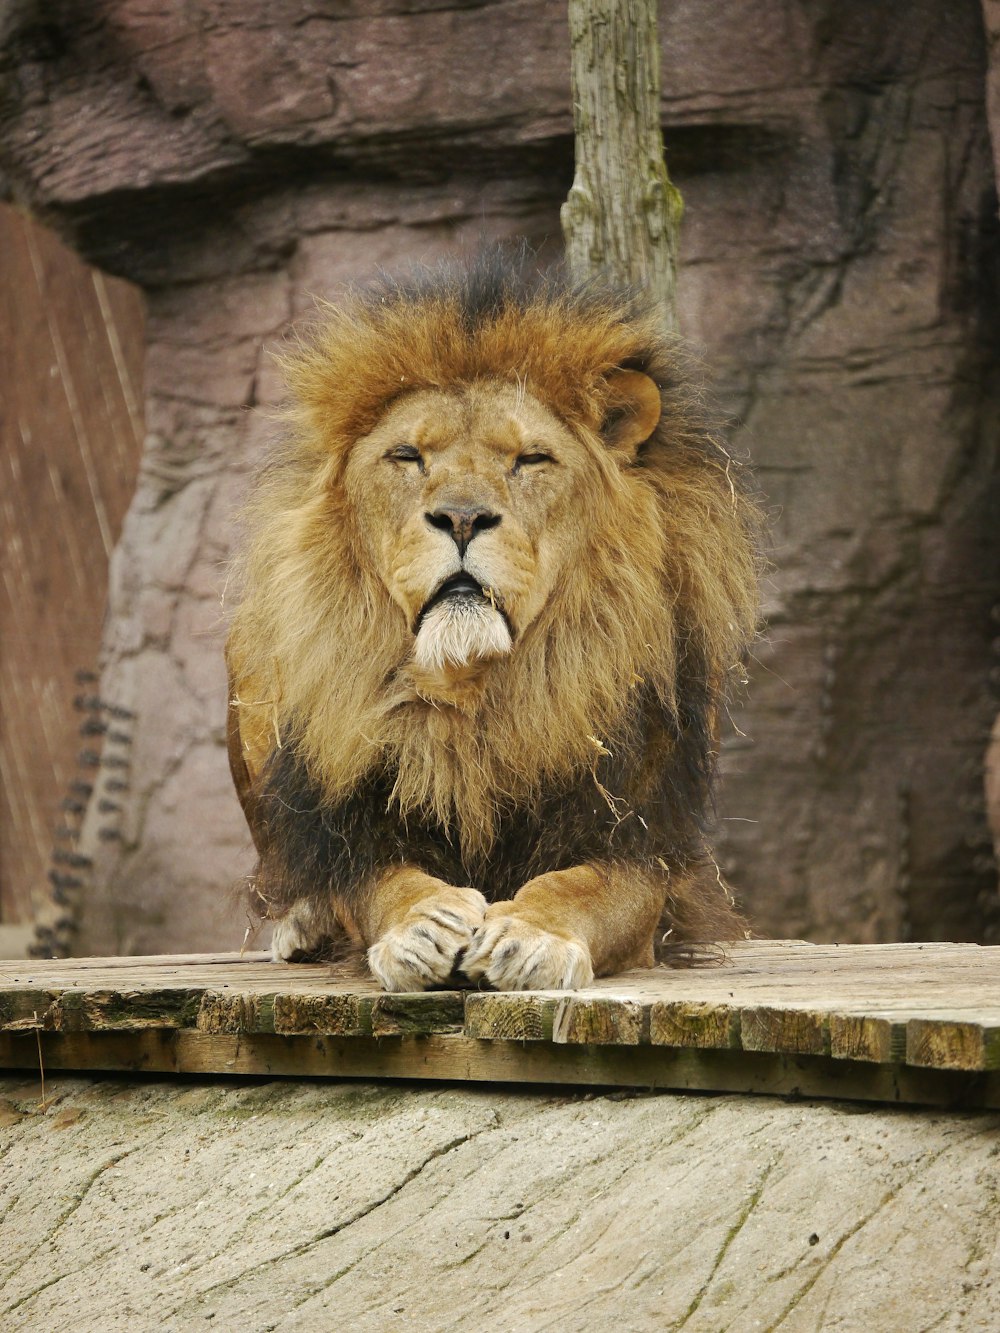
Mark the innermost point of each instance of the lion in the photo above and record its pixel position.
(496, 580)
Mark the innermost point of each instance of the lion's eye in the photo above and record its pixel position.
(406, 453)
(532, 460)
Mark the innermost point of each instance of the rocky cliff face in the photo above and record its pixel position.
(839, 271)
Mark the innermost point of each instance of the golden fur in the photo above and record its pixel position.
(621, 553)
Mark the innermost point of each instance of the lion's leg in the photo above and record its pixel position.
(416, 927)
(564, 928)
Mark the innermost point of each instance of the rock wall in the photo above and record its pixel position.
(839, 271)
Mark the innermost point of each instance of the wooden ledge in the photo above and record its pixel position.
(895, 1022)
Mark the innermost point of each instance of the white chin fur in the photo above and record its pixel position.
(458, 631)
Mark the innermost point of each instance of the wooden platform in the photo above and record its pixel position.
(898, 1023)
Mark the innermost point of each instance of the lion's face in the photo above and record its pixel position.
(468, 501)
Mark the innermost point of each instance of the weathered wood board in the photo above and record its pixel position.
(900, 1022)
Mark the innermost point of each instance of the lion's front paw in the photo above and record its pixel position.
(422, 950)
(298, 936)
(512, 954)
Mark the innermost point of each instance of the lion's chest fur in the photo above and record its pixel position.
(461, 764)
(421, 805)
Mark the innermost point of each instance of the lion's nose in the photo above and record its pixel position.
(462, 524)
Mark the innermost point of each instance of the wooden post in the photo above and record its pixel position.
(622, 215)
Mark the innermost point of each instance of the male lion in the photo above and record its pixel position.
(494, 586)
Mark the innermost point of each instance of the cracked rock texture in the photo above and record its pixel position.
(274, 1206)
(838, 267)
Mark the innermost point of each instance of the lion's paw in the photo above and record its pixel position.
(297, 936)
(512, 954)
(423, 949)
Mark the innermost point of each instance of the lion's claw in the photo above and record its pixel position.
(512, 954)
(423, 949)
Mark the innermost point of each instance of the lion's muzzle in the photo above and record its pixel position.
(461, 623)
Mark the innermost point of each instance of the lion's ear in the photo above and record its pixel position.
(634, 410)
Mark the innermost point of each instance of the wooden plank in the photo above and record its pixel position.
(72, 345)
(872, 1037)
(617, 1021)
(696, 1025)
(952, 1043)
(457, 1057)
(893, 1010)
(565, 1019)
(334, 1013)
(415, 1015)
(72, 968)
(235, 1011)
(343, 1015)
(99, 1010)
(802, 1031)
(490, 1016)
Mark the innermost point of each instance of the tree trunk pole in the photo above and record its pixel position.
(622, 215)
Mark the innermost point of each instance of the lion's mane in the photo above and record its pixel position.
(594, 739)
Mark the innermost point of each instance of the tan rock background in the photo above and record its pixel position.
(839, 271)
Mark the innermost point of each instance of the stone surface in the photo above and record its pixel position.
(838, 269)
(279, 1206)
